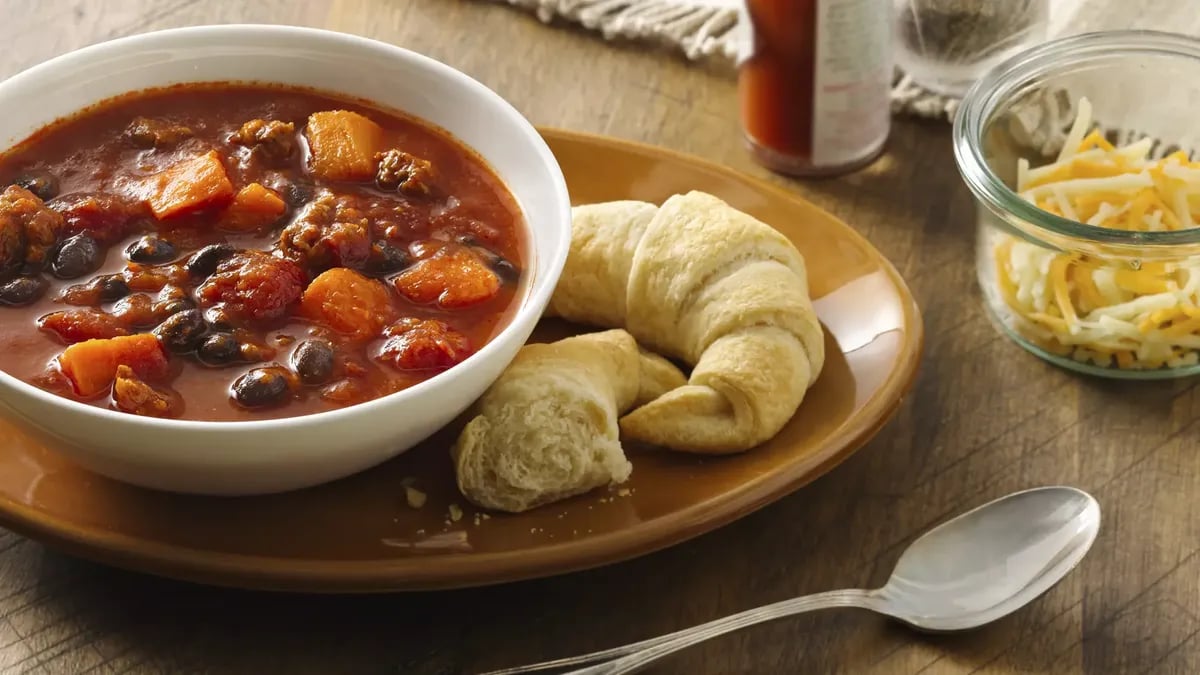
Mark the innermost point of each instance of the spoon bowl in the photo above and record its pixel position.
(991, 560)
(971, 570)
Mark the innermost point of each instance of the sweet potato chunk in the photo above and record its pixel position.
(190, 185)
(453, 277)
(253, 208)
(343, 145)
(91, 366)
(348, 302)
(132, 395)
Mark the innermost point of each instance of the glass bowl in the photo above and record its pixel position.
(1118, 297)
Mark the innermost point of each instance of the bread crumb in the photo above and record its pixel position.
(624, 492)
(414, 497)
(486, 517)
(477, 520)
(421, 533)
(456, 513)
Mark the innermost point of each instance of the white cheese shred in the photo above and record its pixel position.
(1115, 313)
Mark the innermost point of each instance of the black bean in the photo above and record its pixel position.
(218, 318)
(297, 194)
(261, 387)
(78, 255)
(504, 269)
(22, 291)
(204, 262)
(507, 271)
(150, 250)
(386, 258)
(174, 306)
(112, 287)
(219, 349)
(313, 361)
(41, 183)
(182, 331)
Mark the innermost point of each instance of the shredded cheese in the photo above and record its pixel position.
(1113, 313)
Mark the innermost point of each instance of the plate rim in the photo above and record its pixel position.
(257, 572)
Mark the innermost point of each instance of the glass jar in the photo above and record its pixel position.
(1110, 283)
(945, 45)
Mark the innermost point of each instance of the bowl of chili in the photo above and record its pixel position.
(247, 259)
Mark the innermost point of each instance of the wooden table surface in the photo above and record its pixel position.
(985, 419)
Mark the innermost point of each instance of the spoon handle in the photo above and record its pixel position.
(635, 656)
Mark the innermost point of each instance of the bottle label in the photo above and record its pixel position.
(852, 78)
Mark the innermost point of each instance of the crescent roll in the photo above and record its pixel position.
(700, 281)
(547, 429)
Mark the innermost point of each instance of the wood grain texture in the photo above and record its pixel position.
(984, 419)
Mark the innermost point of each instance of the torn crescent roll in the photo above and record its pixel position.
(700, 281)
(547, 429)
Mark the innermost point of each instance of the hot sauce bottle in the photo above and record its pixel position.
(813, 79)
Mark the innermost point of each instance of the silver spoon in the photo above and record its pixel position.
(969, 571)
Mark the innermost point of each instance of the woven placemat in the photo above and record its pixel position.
(708, 29)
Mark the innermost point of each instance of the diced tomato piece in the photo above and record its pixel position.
(343, 145)
(77, 325)
(348, 302)
(453, 277)
(92, 365)
(424, 344)
(254, 285)
(106, 217)
(190, 185)
(254, 207)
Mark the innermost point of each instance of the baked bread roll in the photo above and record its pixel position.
(547, 429)
(700, 281)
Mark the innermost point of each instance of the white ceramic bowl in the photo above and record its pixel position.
(239, 458)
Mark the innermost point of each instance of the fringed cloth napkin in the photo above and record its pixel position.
(708, 29)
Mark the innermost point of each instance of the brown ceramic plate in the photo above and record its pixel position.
(358, 534)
